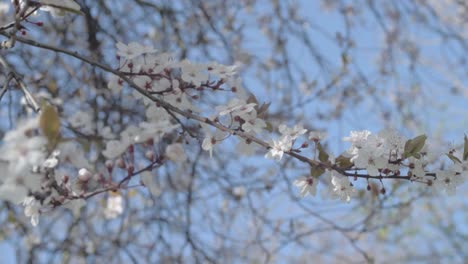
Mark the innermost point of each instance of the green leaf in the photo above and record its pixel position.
(465, 151)
(49, 123)
(413, 146)
(269, 127)
(323, 155)
(453, 158)
(344, 162)
(316, 171)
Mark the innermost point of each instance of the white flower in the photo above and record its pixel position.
(308, 185)
(132, 50)
(392, 140)
(416, 167)
(461, 168)
(153, 131)
(72, 152)
(193, 73)
(83, 121)
(11, 191)
(32, 209)
(180, 100)
(222, 71)
(175, 152)
(447, 180)
(50, 163)
(208, 142)
(317, 136)
(279, 147)
(147, 179)
(114, 206)
(156, 63)
(143, 81)
(342, 188)
(237, 106)
(254, 125)
(114, 148)
(164, 84)
(294, 132)
(115, 84)
(358, 138)
(59, 7)
(367, 160)
(21, 150)
(238, 88)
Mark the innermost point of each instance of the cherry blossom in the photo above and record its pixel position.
(447, 181)
(252, 123)
(32, 209)
(294, 132)
(342, 187)
(307, 185)
(175, 152)
(369, 161)
(317, 136)
(357, 138)
(278, 147)
(193, 73)
(114, 206)
(132, 50)
(236, 106)
(222, 71)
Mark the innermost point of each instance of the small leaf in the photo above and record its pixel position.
(263, 109)
(11, 217)
(316, 171)
(465, 151)
(252, 99)
(323, 155)
(453, 158)
(49, 122)
(344, 162)
(52, 87)
(413, 146)
(269, 127)
(344, 59)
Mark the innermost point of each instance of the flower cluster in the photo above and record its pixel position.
(23, 154)
(34, 162)
(386, 155)
(285, 142)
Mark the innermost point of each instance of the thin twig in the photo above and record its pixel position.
(15, 75)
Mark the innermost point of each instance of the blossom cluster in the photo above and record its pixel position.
(43, 171)
(386, 155)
